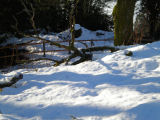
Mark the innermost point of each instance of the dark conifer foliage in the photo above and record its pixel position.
(10, 11)
(52, 15)
(90, 15)
(49, 15)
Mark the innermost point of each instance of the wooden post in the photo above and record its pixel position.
(44, 49)
(72, 23)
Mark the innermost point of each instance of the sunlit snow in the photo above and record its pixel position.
(112, 87)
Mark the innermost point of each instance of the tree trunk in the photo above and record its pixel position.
(73, 22)
(123, 22)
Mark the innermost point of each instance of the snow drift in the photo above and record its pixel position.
(113, 87)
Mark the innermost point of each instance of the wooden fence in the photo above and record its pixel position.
(44, 51)
(15, 56)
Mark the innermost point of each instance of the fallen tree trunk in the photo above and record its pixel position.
(84, 55)
(102, 48)
(12, 81)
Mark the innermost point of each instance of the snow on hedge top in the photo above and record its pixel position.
(93, 35)
(87, 34)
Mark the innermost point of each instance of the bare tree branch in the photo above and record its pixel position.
(30, 13)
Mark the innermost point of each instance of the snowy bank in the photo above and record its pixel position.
(113, 87)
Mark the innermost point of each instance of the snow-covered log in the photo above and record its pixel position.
(12, 81)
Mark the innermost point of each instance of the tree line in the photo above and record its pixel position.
(52, 15)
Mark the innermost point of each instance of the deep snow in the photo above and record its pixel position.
(113, 87)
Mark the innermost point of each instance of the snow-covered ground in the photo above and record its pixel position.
(112, 87)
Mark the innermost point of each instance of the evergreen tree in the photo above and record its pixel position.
(90, 15)
(52, 15)
(11, 11)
